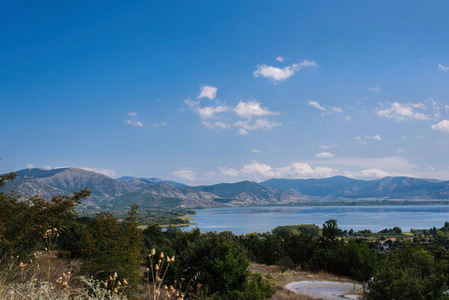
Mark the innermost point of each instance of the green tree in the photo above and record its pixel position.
(217, 263)
(114, 246)
(23, 222)
(409, 274)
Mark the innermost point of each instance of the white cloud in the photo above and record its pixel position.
(229, 171)
(326, 110)
(46, 167)
(337, 110)
(192, 103)
(219, 125)
(208, 92)
(185, 174)
(443, 68)
(209, 112)
(30, 166)
(280, 58)
(294, 170)
(247, 110)
(315, 104)
(348, 118)
(364, 138)
(278, 74)
(441, 126)
(324, 155)
(245, 126)
(134, 123)
(400, 150)
(255, 151)
(401, 112)
(107, 172)
(376, 173)
(251, 109)
(375, 89)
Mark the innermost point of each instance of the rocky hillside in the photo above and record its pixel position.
(109, 191)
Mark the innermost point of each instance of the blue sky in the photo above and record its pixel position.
(221, 91)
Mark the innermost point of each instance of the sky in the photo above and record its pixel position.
(203, 92)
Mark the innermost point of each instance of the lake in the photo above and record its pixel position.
(241, 220)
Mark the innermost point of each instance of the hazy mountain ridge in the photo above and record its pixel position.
(343, 187)
(106, 190)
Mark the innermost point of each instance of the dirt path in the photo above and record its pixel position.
(325, 289)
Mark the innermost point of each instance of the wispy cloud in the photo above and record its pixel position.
(107, 172)
(402, 112)
(315, 104)
(208, 92)
(280, 59)
(375, 89)
(326, 110)
(133, 120)
(328, 146)
(364, 138)
(134, 123)
(209, 112)
(161, 124)
(278, 74)
(443, 68)
(324, 155)
(213, 125)
(255, 151)
(245, 126)
(185, 174)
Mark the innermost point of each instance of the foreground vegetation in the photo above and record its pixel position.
(115, 259)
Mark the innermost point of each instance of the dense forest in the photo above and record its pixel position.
(117, 260)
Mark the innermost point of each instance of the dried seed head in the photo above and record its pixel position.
(158, 279)
(119, 283)
(125, 282)
(115, 275)
(157, 267)
(173, 258)
(105, 284)
(22, 265)
(162, 254)
(165, 287)
(115, 290)
(153, 252)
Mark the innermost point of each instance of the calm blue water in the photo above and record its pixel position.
(242, 220)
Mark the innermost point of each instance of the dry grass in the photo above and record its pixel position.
(288, 295)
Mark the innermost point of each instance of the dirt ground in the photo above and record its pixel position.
(281, 279)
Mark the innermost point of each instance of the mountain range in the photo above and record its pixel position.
(156, 192)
